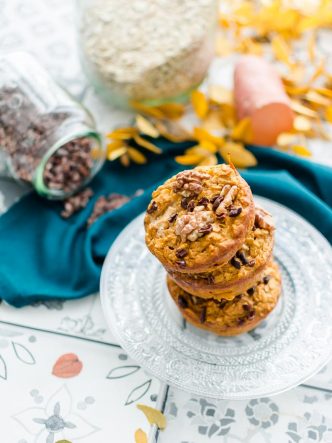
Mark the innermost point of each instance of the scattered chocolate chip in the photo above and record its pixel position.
(238, 297)
(191, 206)
(214, 198)
(182, 302)
(266, 279)
(202, 316)
(181, 263)
(152, 208)
(76, 202)
(221, 216)
(234, 212)
(236, 263)
(246, 307)
(106, 204)
(173, 218)
(217, 202)
(204, 201)
(251, 291)
(181, 253)
(240, 321)
(222, 303)
(241, 255)
(184, 202)
(171, 248)
(251, 314)
(206, 229)
(251, 263)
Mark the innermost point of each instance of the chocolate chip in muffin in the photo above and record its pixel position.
(234, 212)
(251, 263)
(236, 263)
(204, 230)
(222, 303)
(191, 206)
(238, 297)
(240, 321)
(173, 218)
(210, 279)
(221, 216)
(182, 302)
(181, 263)
(184, 202)
(217, 202)
(251, 291)
(266, 279)
(204, 201)
(181, 253)
(202, 316)
(241, 255)
(251, 314)
(152, 208)
(214, 198)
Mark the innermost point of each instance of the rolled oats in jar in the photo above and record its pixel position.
(146, 51)
(47, 139)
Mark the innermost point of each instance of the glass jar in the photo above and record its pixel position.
(146, 51)
(47, 139)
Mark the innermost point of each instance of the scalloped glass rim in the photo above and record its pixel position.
(277, 356)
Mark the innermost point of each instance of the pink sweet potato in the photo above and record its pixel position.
(259, 94)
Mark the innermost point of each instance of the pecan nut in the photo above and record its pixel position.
(189, 183)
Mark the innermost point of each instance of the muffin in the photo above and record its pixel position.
(198, 219)
(234, 317)
(243, 271)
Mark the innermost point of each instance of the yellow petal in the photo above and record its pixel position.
(136, 156)
(154, 416)
(146, 127)
(312, 46)
(281, 50)
(220, 95)
(317, 99)
(319, 71)
(116, 144)
(243, 130)
(328, 114)
(209, 161)
(240, 157)
(147, 145)
(146, 110)
(122, 133)
(301, 150)
(296, 90)
(201, 134)
(140, 436)
(117, 153)
(172, 110)
(209, 146)
(200, 103)
(228, 115)
(302, 124)
(212, 122)
(285, 139)
(172, 130)
(303, 110)
(189, 159)
(198, 150)
(327, 92)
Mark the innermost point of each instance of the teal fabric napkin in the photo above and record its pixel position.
(44, 256)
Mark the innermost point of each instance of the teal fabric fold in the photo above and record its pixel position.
(44, 256)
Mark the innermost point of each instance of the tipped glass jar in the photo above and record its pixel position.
(47, 139)
(146, 51)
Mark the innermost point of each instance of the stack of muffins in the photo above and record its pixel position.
(216, 246)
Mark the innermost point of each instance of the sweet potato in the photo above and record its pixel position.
(259, 94)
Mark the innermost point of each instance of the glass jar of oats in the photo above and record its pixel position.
(146, 51)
